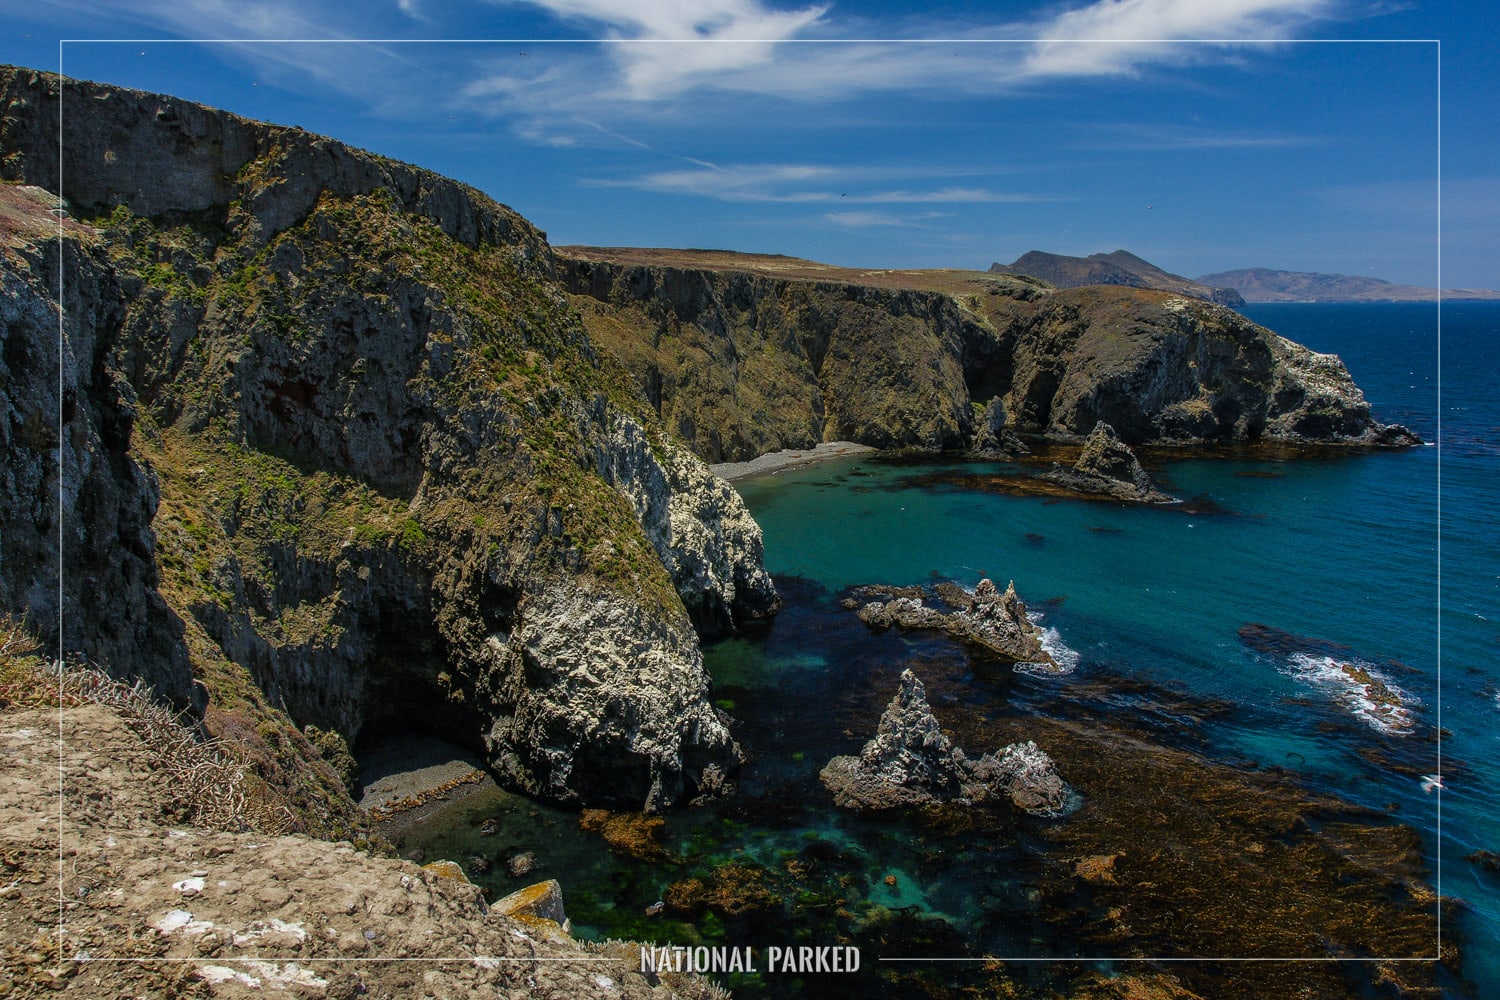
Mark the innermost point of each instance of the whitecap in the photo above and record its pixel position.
(1377, 702)
(1064, 657)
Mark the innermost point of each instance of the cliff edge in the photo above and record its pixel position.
(742, 354)
(151, 905)
(340, 458)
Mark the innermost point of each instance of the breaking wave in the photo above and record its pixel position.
(1065, 656)
(1365, 691)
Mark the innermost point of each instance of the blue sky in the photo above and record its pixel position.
(862, 133)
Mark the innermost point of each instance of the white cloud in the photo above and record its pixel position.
(657, 49)
(1119, 36)
(864, 220)
(1137, 137)
(661, 47)
(806, 183)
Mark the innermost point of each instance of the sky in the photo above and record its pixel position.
(1314, 135)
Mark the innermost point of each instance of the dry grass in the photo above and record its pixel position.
(206, 786)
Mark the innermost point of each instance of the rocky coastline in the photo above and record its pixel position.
(743, 355)
(469, 480)
(992, 619)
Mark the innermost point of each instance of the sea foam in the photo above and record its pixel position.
(1358, 686)
(1065, 656)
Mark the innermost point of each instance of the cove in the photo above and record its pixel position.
(1239, 799)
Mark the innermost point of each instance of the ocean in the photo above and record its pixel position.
(1320, 626)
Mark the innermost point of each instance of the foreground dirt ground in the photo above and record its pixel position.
(102, 896)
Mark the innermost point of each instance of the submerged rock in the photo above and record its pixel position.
(911, 762)
(992, 619)
(1107, 467)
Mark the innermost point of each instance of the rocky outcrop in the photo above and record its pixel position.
(594, 701)
(1163, 369)
(1108, 468)
(743, 358)
(697, 524)
(911, 762)
(988, 618)
(341, 447)
(993, 436)
(156, 907)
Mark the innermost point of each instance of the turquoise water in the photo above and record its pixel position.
(1345, 549)
(1336, 555)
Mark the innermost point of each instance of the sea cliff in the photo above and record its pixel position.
(346, 448)
(338, 454)
(742, 354)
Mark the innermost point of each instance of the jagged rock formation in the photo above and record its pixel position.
(1107, 467)
(1119, 268)
(338, 448)
(743, 355)
(989, 618)
(911, 762)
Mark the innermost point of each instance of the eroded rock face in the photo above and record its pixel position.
(1107, 467)
(989, 618)
(911, 762)
(746, 361)
(389, 482)
(698, 525)
(99, 516)
(593, 701)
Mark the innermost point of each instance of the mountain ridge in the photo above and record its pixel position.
(1120, 267)
(1263, 284)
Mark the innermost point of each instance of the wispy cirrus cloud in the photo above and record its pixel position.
(1111, 37)
(785, 183)
(868, 220)
(664, 46)
(659, 50)
(1152, 137)
(674, 62)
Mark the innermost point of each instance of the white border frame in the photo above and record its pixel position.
(62, 311)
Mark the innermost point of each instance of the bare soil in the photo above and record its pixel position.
(102, 896)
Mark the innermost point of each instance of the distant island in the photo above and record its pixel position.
(1227, 288)
(1262, 284)
(1119, 268)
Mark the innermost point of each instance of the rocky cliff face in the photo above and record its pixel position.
(93, 535)
(745, 360)
(740, 364)
(340, 448)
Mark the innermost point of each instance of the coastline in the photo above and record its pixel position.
(788, 458)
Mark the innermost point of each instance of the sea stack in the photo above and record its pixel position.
(1107, 467)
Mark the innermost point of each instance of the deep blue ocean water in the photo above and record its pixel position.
(1384, 559)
